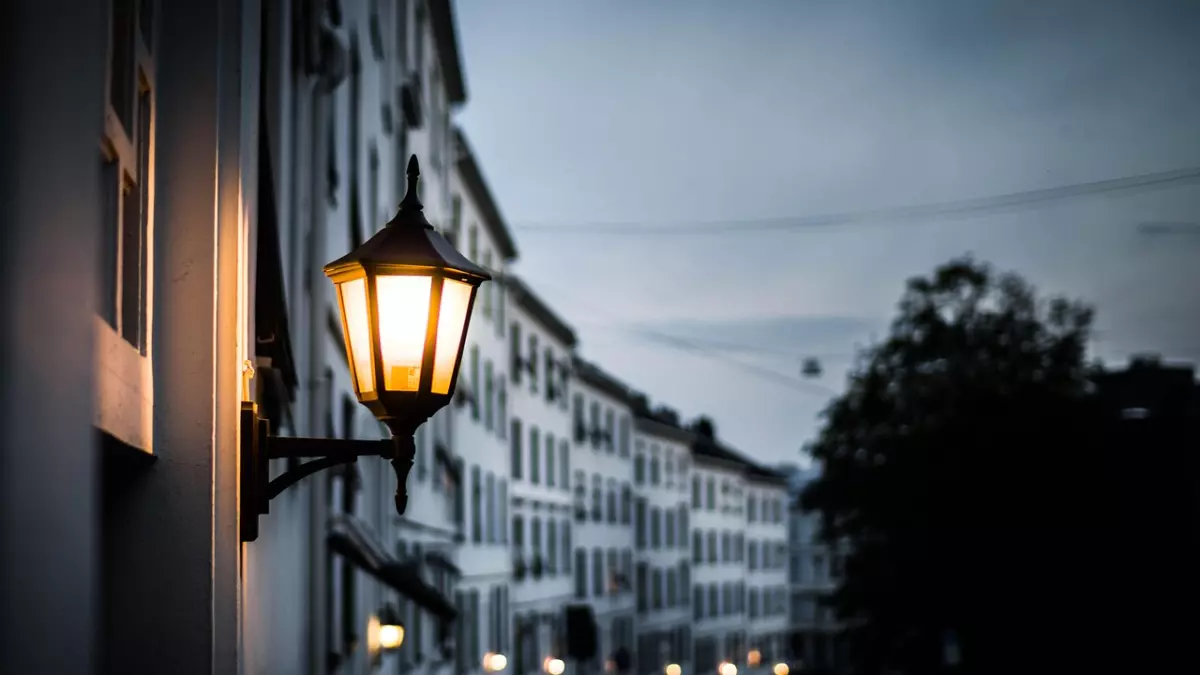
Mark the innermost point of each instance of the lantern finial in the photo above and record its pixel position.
(411, 201)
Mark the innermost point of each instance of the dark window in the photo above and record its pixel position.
(515, 440)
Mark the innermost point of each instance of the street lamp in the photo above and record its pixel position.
(781, 669)
(391, 629)
(554, 666)
(405, 297)
(727, 668)
(494, 663)
(753, 658)
(673, 669)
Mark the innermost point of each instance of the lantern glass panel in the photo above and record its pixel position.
(403, 322)
(353, 295)
(456, 297)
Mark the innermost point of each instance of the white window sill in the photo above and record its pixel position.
(124, 390)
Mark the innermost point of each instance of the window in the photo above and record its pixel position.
(517, 452)
(518, 536)
(685, 582)
(518, 364)
(643, 587)
(655, 477)
(502, 507)
(551, 547)
(640, 525)
(697, 547)
(611, 499)
(535, 538)
(753, 603)
(695, 492)
(669, 470)
(613, 568)
(581, 577)
(595, 419)
(550, 473)
(490, 493)
(501, 409)
(476, 390)
(656, 583)
(564, 463)
(577, 415)
(711, 489)
(532, 363)
(610, 431)
(739, 542)
(626, 504)
(476, 506)
(655, 526)
(473, 243)
(623, 438)
(639, 469)
(683, 525)
(670, 528)
(597, 572)
(672, 600)
(712, 547)
(565, 528)
(548, 355)
(754, 555)
(127, 158)
(726, 547)
(489, 396)
(597, 498)
(535, 460)
(751, 508)
(698, 603)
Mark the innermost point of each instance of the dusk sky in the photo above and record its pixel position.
(639, 115)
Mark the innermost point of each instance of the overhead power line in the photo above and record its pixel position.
(709, 352)
(917, 212)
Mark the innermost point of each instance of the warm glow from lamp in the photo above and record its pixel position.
(753, 658)
(403, 323)
(391, 636)
(727, 668)
(554, 666)
(781, 669)
(673, 669)
(452, 317)
(494, 663)
(353, 296)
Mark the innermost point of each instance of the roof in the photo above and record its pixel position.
(595, 376)
(712, 449)
(657, 427)
(530, 302)
(472, 177)
(445, 39)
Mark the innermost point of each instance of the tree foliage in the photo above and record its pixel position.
(946, 465)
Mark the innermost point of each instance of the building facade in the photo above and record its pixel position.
(766, 569)
(602, 484)
(540, 347)
(662, 489)
(481, 418)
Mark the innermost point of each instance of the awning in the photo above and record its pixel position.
(353, 541)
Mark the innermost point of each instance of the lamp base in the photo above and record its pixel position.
(404, 454)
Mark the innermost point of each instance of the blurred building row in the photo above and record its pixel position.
(190, 166)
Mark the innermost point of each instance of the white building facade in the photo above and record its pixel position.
(718, 556)
(662, 489)
(766, 570)
(602, 485)
(481, 418)
(540, 348)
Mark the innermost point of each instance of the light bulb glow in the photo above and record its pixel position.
(403, 322)
(727, 668)
(781, 669)
(353, 295)
(753, 658)
(673, 669)
(456, 296)
(554, 666)
(494, 663)
(391, 636)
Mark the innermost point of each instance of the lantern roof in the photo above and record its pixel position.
(409, 240)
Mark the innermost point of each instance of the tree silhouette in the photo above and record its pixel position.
(945, 470)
